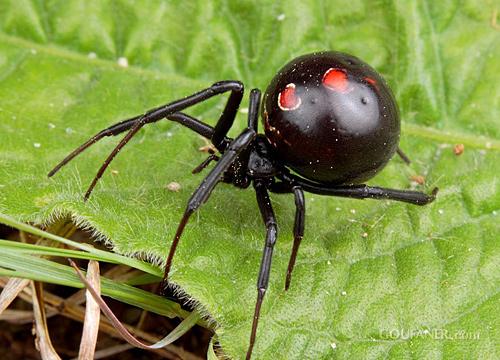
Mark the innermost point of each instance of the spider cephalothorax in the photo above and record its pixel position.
(328, 117)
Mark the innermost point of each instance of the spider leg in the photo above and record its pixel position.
(269, 219)
(165, 111)
(118, 128)
(206, 187)
(205, 163)
(252, 124)
(403, 156)
(361, 191)
(202, 193)
(298, 231)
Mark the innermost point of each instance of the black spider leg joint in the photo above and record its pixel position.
(171, 111)
(229, 155)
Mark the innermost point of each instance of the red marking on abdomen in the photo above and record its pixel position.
(371, 81)
(288, 99)
(336, 79)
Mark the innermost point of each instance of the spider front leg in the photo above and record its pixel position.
(269, 219)
(202, 193)
(170, 111)
(118, 128)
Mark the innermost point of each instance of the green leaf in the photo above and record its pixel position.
(373, 279)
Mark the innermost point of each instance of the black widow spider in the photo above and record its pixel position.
(331, 122)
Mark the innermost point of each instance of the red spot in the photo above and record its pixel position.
(336, 79)
(288, 99)
(371, 81)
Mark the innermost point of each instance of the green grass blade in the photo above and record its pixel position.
(101, 254)
(20, 265)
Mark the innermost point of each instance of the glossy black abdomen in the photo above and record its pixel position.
(331, 118)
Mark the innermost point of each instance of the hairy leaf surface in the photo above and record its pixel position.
(374, 279)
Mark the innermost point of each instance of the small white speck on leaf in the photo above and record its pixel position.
(365, 235)
(353, 211)
(173, 186)
(494, 212)
(52, 126)
(92, 55)
(441, 211)
(69, 131)
(114, 172)
(338, 209)
(123, 62)
(343, 293)
(281, 17)
(37, 145)
(333, 345)
(169, 134)
(329, 262)
(244, 110)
